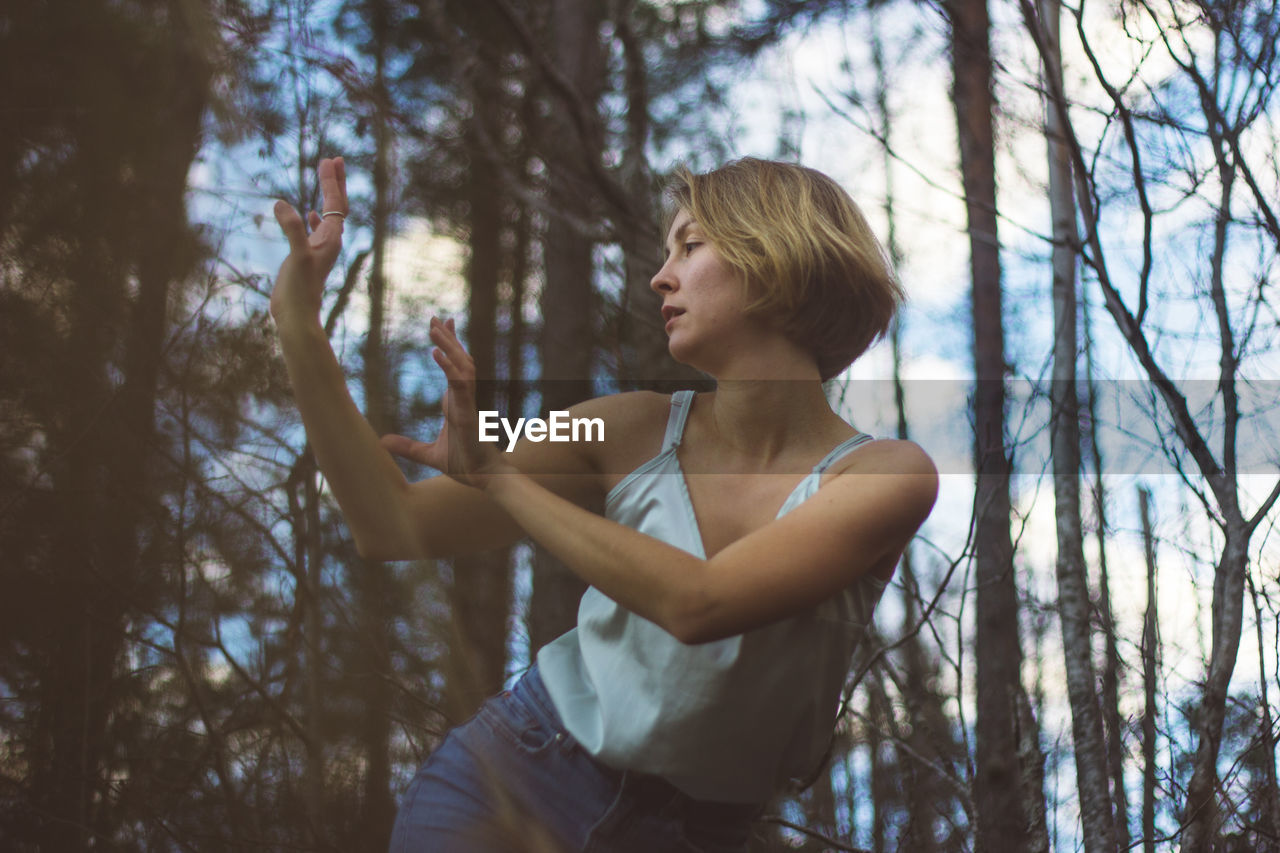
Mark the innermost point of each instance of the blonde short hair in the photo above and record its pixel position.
(804, 250)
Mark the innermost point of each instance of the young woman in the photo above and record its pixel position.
(746, 535)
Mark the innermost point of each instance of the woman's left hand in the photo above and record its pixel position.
(457, 451)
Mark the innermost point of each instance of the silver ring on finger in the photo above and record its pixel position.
(337, 213)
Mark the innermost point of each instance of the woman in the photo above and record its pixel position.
(746, 537)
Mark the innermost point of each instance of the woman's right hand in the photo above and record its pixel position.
(299, 288)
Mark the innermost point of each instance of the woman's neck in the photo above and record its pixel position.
(761, 419)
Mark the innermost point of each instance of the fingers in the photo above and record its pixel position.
(333, 192)
(333, 185)
(430, 453)
(465, 456)
(333, 188)
(461, 378)
(450, 353)
(291, 224)
(447, 336)
(402, 446)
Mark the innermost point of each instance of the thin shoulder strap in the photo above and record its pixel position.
(840, 450)
(681, 401)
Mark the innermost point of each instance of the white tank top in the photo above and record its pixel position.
(731, 720)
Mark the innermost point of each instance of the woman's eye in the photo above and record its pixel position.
(689, 247)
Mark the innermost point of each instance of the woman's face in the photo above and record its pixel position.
(702, 298)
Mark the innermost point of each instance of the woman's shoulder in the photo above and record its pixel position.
(887, 456)
(900, 472)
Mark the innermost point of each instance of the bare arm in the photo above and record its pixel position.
(856, 524)
(389, 518)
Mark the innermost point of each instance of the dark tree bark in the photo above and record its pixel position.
(372, 581)
(1001, 819)
(309, 557)
(641, 357)
(481, 593)
(568, 296)
(884, 802)
(1266, 791)
(119, 247)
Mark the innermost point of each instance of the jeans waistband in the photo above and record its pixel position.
(530, 690)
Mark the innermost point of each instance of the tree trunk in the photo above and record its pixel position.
(1266, 794)
(481, 594)
(1031, 761)
(568, 296)
(102, 446)
(641, 357)
(1200, 818)
(373, 581)
(1112, 664)
(1001, 820)
(880, 774)
(309, 555)
(1073, 589)
(925, 794)
(1150, 662)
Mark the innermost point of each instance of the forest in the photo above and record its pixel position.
(1081, 649)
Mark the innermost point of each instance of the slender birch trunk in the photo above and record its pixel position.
(1150, 665)
(1200, 815)
(1073, 589)
(1112, 663)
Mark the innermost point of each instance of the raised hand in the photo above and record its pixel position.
(299, 288)
(457, 451)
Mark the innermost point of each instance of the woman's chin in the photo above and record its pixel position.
(680, 350)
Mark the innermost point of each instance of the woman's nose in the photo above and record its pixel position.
(662, 281)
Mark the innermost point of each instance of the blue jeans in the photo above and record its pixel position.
(512, 779)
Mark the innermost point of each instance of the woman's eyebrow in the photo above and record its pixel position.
(678, 236)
